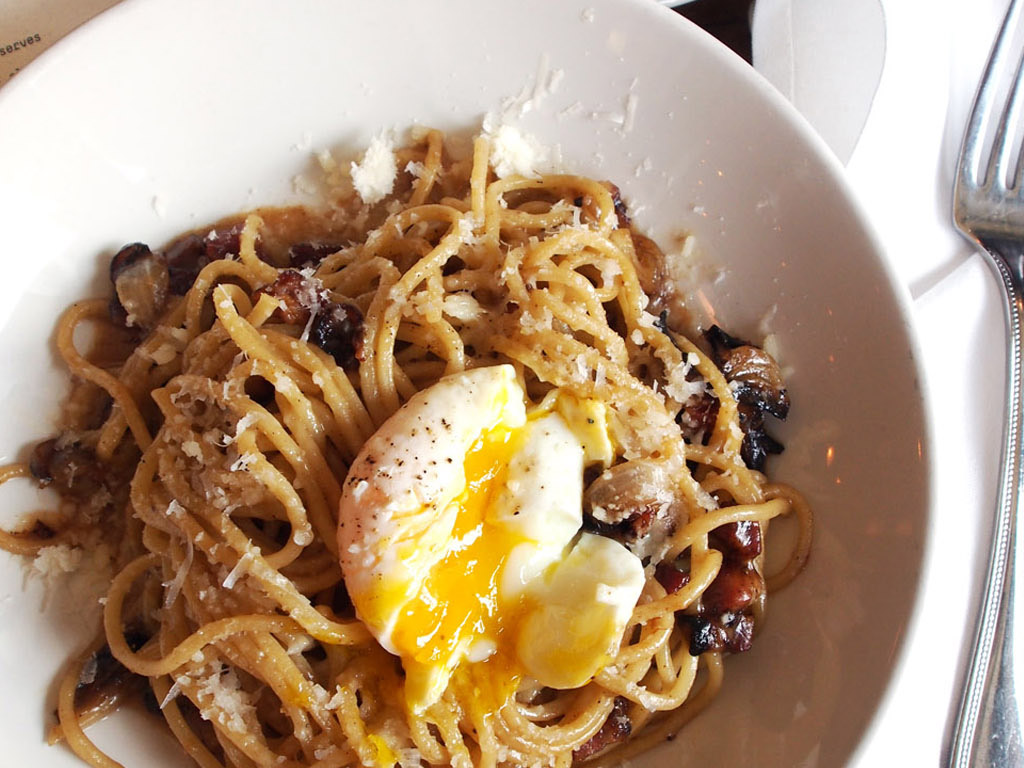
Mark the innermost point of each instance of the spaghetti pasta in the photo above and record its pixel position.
(246, 367)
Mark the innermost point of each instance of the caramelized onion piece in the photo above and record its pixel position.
(634, 503)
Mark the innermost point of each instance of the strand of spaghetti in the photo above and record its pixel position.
(702, 572)
(395, 228)
(429, 169)
(350, 414)
(276, 586)
(654, 634)
(320, 490)
(74, 736)
(802, 548)
(81, 367)
(654, 701)
(192, 745)
(483, 214)
(398, 295)
(586, 316)
(440, 339)
(183, 652)
(589, 711)
(700, 527)
(247, 249)
(726, 436)
(742, 486)
(207, 279)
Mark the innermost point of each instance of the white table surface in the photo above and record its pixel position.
(900, 167)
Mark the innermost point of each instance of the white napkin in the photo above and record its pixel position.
(900, 161)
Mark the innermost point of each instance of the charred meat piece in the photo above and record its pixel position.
(338, 330)
(633, 502)
(185, 259)
(724, 620)
(141, 283)
(705, 634)
(615, 729)
(697, 417)
(671, 576)
(757, 445)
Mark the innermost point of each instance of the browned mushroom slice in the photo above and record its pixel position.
(758, 379)
(141, 285)
(73, 469)
(105, 681)
(759, 389)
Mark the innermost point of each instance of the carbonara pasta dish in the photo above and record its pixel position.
(429, 475)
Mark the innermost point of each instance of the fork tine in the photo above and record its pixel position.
(1003, 143)
(985, 104)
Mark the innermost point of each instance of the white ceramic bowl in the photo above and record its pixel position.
(163, 115)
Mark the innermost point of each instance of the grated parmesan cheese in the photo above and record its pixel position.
(374, 176)
(514, 152)
(462, 306)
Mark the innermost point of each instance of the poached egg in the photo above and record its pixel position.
(459, 539)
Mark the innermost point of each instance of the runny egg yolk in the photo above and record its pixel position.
(458, 610)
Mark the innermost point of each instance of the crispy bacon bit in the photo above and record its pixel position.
(299, 296)
(738, 541)
(338, 331)
(186, 256)
(697, 417)
(724, 619)
(671, 577)
(337, 328)
(734, 589)
(616, 728)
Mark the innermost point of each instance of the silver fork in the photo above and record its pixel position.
(988, 207)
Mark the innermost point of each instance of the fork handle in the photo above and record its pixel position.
(988, 728)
